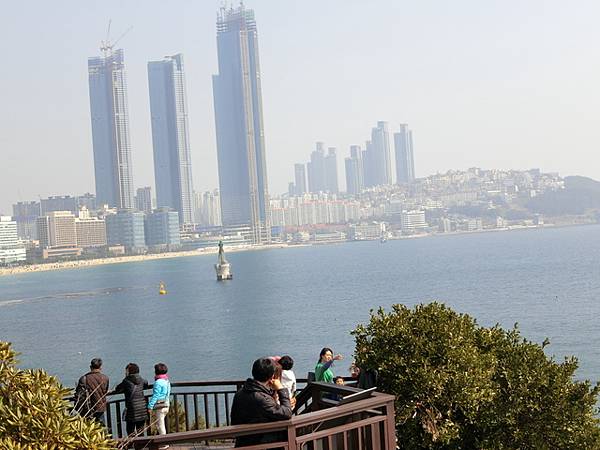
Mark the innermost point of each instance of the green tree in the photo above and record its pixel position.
(462, 386)
(34, 414)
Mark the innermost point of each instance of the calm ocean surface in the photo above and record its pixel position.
(298, 300)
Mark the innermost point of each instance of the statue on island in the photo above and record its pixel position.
(223, 268)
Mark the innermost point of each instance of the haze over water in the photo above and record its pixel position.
(298, 300)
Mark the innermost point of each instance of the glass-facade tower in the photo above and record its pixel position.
(405, 163)
(380, 163)
(172, 160)
(110, 129)
(239, 124)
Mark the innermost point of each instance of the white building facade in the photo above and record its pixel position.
(11, 249)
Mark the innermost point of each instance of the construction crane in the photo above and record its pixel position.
(106, 46)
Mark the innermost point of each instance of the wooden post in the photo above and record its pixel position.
(390, 425)
(291, 436)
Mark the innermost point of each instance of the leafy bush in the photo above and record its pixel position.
(462, 386)
(34, 414)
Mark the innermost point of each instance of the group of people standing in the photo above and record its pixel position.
(268, 396)
(91, 390)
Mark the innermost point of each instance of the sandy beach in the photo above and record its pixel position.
(78, 264)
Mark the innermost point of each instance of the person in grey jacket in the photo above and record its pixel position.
(255, 402)
(132, 387)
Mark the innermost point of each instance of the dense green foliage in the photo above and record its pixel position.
(462, 386)
(34, 414)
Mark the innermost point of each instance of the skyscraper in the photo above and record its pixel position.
(316, 169)
(239, 124)
(405, 163)
(367, 156)
(331, 172)
(381, 165)
(354, 171)
(300, 178)
(172, 160)
(110, 129)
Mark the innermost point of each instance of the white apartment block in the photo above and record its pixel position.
(57, 229)
(307, 210)
(412, 221)
(90, 232)
(11, 249)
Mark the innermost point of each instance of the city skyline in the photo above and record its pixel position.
(523, 81)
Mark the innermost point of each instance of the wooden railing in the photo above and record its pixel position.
(319, 422)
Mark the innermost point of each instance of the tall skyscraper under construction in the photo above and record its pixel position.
(239, 124)
(110, 128)
(170, 140)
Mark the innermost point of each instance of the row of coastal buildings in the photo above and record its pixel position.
(455, 201)
(63, 235)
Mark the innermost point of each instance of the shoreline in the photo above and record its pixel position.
(83, 263)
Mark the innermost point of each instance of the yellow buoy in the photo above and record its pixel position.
(162, 290)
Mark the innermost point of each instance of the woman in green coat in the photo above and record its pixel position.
(323, 370)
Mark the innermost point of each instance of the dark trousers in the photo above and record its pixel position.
(99, 417)
(134, 427)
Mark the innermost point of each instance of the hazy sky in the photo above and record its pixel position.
(506, 84)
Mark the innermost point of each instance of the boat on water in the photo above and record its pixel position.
(162, 289)
(223, 268)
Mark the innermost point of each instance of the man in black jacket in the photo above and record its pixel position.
(255, 403)
(132, 387)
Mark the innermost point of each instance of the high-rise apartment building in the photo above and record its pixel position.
(367, 163)
(300, 179)
(198, 207)
(379, 158)
(143, 199)
(354, 171)
(331, 172)
(170, 137)
(110, 129)
(239, 124)
(316, 169)
(11, 249)
(405, 163)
